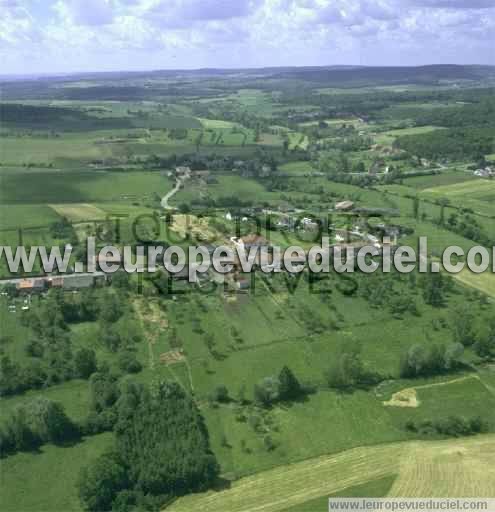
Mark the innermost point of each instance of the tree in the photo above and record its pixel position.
(17, 433)
(434, 289)
(360, 167)
(485, 344)
(220, 394)
(403, 303)
(48, 421)
(289, 386)
(111, 308)
(267, 391)
(424, 360)
(462, 325)
(104, 391)
(121, 281)
(85, 362)
(100, 482)
(128, 362)
(416, 207)
(347, 371)
(453, 354)
(110, 337)
(414, 361)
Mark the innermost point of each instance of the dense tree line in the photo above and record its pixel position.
(479, 114)
(453, 426)
(162, 451)
(425, 360)
(451, 143)
(467, 225)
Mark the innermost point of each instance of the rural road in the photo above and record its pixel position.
(169, 195)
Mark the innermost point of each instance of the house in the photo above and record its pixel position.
(487, 172)
(265, 171)
(344, 206)
(254, 242)
(76, 282)
(308, 223)
(182, 171)
(36, 285)
(284, 223)
(243, 284)
(56, 282)
(388, 231)
(200, 174)
(183, 274)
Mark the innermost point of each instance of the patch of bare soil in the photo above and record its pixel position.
(172, 357)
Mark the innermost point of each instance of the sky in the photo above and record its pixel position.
(65, 36)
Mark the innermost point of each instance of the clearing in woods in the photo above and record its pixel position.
(79, 212)
(456, 468)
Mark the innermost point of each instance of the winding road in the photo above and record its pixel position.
(171, 194)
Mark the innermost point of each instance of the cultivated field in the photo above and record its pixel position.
(455, 468)
(483, 190)
(79, 212)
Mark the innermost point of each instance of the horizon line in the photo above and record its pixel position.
(337, 67)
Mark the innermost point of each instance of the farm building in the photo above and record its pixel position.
(487, 172)
(56, 282)
(182, 171)
(243, 284)
(36, 285)
(200, 174)
(78, 282)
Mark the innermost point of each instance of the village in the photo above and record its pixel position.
(346, 226)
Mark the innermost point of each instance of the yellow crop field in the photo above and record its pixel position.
(454, 468)
(79, 212)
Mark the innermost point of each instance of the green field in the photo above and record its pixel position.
(55, 471)
(483, 282)
(482, 190)
(438, 180)
(16, 216)
(82, 187)
(388, 137)
(475, 194)
(422, 469)
(296, 168)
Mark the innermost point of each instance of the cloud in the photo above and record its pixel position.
(90, 13)
(136, 34)
(180, 13)
(455, 4)
(17, 26)
(380, 10)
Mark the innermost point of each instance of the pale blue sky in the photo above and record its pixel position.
(54, 36)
